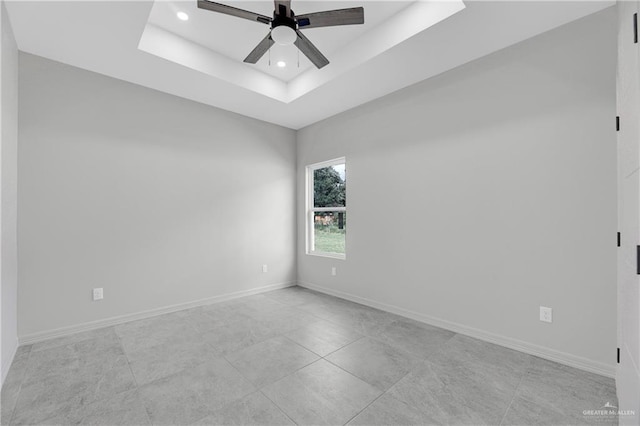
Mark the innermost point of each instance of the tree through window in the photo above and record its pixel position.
(327, 208)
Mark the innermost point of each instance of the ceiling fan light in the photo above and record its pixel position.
(283, 35)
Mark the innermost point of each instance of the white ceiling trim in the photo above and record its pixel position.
(410, 21)
(174, 48)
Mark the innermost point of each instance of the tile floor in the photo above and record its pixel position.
(291, 356)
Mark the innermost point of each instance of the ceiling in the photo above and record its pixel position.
(400, 44)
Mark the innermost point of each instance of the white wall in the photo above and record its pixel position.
(628, 107)
(479, 195)
(8, 199)
(158, 200)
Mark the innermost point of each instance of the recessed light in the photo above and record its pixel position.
(281, 64)
(182, 16)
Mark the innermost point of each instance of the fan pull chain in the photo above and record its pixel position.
(269, 55)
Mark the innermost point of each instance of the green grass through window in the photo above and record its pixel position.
(329, 239)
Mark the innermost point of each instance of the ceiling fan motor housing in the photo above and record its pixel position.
(282, 19)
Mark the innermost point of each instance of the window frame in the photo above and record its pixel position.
(310, 209)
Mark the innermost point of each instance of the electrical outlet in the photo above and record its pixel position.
(97, 294)
(333, 271)
(546, 314)
(265, 268)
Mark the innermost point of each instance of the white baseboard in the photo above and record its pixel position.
(508, 342)
(107, 322)
(6, 363)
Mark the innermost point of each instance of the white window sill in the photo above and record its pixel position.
(329, 255)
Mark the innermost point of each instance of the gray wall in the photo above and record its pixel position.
(479, 195)
(157, 199)
(8, 198)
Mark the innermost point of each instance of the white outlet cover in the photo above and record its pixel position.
(333, 270)
(265, 268)
(98, 294)
(546, 314)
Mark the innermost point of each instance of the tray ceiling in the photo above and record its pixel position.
(201, 59)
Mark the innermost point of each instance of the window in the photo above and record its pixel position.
(327, 208)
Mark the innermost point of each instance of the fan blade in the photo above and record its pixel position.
(259, 50)
(283, 7)
(310, 51)
(330, 18)
(233, 11)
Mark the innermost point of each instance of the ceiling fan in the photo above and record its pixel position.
(285, 26)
